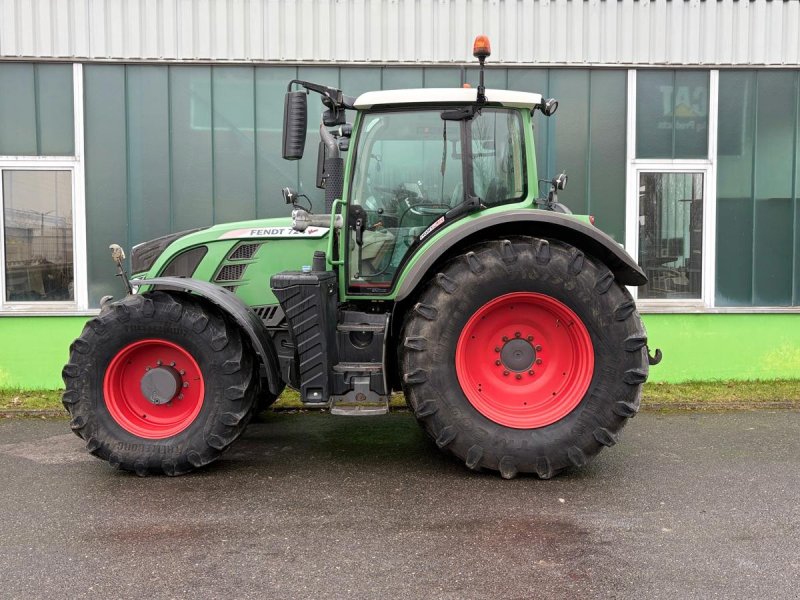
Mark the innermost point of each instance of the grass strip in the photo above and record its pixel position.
(692, 395)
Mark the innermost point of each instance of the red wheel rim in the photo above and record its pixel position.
(128, 405)
(495, 349)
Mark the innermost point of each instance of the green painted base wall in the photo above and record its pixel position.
(34, 349)
(696, 347)
(725, 346)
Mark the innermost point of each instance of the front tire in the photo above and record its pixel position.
(190, 358)
(524, 356)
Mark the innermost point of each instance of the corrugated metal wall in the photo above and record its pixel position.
(542, 32)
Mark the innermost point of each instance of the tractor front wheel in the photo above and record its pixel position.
(159, 383)
(524, 356)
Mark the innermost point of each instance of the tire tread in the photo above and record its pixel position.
(234, 365)
(461, 430)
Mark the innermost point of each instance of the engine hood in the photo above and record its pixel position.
(276, 228)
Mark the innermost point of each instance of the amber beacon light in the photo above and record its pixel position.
(481, 48)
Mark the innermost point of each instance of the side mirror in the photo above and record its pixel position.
(549, 106)
(560, 182)
(295, 121)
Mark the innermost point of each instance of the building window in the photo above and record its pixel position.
(672, 114)
(36, 110)
(37, 235)
(671, 234)
(42, 221)
(671, 186)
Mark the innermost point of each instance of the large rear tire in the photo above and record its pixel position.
(524, 356)
(192, 360)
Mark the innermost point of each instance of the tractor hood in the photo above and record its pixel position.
(265, 229)
(276, 228)
(145, 255)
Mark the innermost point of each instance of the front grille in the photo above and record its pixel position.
(144, 255)
(230, 273)
(244, 252)
(185, 263)
(231, 288)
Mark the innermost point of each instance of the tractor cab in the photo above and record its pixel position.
(418, 160)
(415, 167)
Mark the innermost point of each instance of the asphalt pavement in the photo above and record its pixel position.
(316, 506)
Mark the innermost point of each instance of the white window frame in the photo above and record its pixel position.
(708, 167)
(75, 165)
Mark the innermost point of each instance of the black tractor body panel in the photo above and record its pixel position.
(309, 302)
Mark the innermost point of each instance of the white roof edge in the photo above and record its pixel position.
(439, 95)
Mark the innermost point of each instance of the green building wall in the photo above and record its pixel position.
(696, 347)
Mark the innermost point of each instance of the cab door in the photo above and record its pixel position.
(411, 168)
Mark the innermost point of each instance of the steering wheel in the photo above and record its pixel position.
(401, 199)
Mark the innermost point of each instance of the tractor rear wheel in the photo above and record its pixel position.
(524, 356)
(159, 383)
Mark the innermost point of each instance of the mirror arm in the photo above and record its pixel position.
(335, 97)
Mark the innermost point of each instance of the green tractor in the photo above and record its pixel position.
(435, 269)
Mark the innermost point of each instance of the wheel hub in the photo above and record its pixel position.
(160, 385)
(153, 388)
(518, 355)
(524, 360)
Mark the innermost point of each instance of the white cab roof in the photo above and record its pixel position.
(441, 95)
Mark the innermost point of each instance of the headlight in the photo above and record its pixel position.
(185, 263)
(144, 255)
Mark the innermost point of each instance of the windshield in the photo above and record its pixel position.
(410, 171)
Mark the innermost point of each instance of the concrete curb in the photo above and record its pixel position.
(44, 413)
(738, 406)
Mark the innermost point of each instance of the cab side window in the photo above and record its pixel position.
(498, 165)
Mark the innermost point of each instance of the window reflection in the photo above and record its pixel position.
(672, 114)
(37, 211)
(671, 234)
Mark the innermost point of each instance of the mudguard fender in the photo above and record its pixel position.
(238, 311)
(583, 236)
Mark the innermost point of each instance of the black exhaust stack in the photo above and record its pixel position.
(333, 171)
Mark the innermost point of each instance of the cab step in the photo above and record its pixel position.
(379, 327)
(360, 401)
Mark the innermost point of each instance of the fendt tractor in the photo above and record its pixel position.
(435, 269)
